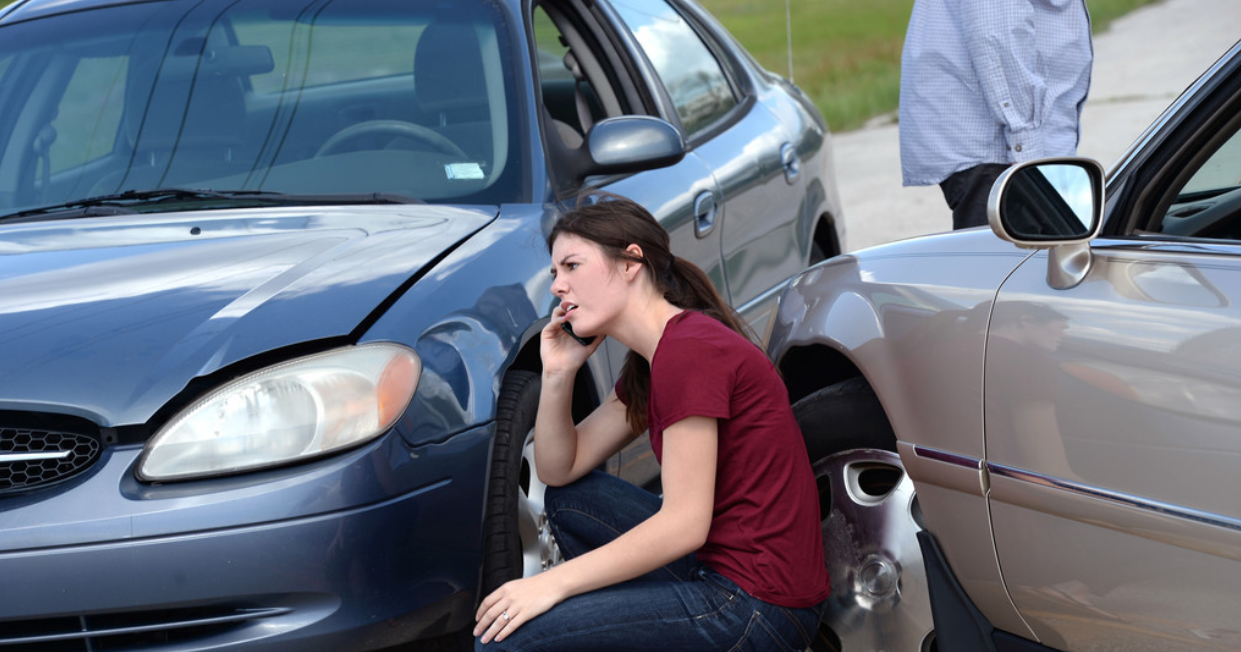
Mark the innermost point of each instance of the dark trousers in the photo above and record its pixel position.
(966, 193)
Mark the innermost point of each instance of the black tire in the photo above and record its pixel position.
(518, 540)
(843, 417)
(510, 480)
(870, 521)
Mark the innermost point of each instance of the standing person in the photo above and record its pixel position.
(731, 556)
(989, 83)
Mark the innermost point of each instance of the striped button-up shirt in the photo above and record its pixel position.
(991, 81)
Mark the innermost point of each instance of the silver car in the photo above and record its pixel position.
(1031, 441)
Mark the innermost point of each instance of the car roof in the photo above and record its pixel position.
(21, 10)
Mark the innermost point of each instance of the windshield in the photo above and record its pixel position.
(413, 99)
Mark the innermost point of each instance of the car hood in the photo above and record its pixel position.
(109, 318)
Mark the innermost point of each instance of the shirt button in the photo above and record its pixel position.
(1006, 105)
(1018, 148)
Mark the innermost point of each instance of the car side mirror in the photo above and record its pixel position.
(1054, 204)
(632, 143)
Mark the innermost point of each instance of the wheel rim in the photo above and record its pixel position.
(879, 595)
(539, 551)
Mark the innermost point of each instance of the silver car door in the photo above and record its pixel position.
(673, 195)
(1113, 428)
(683, 196)
(731, 131)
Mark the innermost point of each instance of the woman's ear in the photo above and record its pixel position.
(632, 264)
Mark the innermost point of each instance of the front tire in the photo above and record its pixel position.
(870, 520)
(516, 537)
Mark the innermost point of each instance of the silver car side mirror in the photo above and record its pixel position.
(1054, 204)
(633, 143)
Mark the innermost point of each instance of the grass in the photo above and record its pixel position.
(846, 53)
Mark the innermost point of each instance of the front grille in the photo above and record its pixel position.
(160, 629)
(33, 457)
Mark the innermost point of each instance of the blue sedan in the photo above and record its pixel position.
(271, 278)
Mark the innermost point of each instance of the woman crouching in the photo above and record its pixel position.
(731, 557)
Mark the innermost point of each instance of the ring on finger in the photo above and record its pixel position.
(504, 615)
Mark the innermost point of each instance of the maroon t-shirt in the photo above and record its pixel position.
(765, 533)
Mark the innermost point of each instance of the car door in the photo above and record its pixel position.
(613, 79)
(1113, 407)
(733, 134)
(612, 83)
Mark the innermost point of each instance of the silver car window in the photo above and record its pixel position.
(1208, 204)
(699, 88)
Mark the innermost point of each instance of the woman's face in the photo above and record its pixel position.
(589, 283)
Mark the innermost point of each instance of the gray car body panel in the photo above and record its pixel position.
(1095, 511)
(901, 316)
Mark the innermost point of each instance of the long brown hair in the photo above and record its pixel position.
(613, 223)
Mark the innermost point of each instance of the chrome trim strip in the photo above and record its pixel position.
(33, 457)
(1148, 248)
(1116, 497)
(948, 458)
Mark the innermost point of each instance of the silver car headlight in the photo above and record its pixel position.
(297, 410)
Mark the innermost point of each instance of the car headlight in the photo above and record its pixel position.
(293, 411)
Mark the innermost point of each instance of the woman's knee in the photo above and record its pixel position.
(585, 488)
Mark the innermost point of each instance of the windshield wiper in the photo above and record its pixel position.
(335, 198)
(115, 204)
(138, 201)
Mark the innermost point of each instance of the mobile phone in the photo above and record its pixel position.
(584, 341)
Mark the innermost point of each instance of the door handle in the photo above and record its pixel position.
(790, 162)
(704, 214)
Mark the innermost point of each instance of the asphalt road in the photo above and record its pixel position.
(1142, 63)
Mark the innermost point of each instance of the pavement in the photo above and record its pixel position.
(1142, 63)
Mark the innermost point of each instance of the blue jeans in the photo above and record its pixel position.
(684, 606)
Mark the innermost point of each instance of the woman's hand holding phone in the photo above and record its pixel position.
(561, 348)
(584, 341)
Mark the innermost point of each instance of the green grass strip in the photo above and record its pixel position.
(846, 53)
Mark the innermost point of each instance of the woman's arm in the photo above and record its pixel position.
(563, 451)
(677, 529)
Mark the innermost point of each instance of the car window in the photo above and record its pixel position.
(551, 47)
(568, 98)
(338, 51)
(699, 89)
(1208, 203)
(579, 81)
(416, 99)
